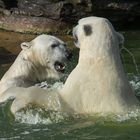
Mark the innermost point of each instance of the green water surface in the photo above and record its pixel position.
(125, 127)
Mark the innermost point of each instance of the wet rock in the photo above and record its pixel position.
(31, 24)
(39, 16)
(5, 12)
(49, 9)
(58, 15)
(55, 9)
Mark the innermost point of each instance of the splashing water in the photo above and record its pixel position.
(45, 85)
(133, 58)
(39, 116)
(135, 82)
(31, 118)
(133, 115)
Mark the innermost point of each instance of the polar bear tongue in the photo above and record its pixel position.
(60, 67)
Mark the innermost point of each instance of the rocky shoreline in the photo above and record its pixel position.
(26, 24)
(58, 16)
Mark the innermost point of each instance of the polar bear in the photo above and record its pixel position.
(42, 58)
(98, 84)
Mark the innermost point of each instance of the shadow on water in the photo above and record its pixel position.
(37, 123)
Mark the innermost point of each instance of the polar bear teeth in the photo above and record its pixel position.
(60, 67)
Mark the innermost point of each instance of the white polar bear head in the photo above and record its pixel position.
(47, 51)
(41, 59)
(96, 31)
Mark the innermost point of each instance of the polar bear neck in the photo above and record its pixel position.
(25, 69)
(102, 49)
(102, 55)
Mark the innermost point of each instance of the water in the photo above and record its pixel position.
(37, 123)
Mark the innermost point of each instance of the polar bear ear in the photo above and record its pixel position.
(25, 45)
(87, 29)
(120, 38)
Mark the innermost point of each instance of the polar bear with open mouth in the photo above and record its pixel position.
(98, 84)
(42, 58)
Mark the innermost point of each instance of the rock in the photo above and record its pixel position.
(37, 16)
(2, 5)
(26, 24)
(6, 12)
(52, 15)
(53, 10)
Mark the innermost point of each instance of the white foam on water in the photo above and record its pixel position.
(136, 86)
(30, 118)
(57, 85)
(39, 116)
(45, 85)
(131, 115)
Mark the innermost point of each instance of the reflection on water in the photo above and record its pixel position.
(38, 123)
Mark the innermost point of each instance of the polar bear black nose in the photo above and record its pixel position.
(68, 54)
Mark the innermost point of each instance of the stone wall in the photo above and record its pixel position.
(58, 16)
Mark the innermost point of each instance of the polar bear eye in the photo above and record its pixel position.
(54, 45)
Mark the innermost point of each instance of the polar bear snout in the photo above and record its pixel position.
(60, 64)
(75, 37)
(67, 52)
